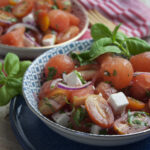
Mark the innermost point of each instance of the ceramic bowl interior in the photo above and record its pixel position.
(31, 86)
(33, 52)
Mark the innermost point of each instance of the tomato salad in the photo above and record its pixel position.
(35, 23)
(103, 93)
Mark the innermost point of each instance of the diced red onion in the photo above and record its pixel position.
(31, 27)
(66, 87)
(30, 40)
(140, 73)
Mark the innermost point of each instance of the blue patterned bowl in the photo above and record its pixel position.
(31, 86)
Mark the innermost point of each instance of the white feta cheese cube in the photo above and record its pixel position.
(49, 41)
(118, 102)
(95, 129)
(29, 19)
(62, 119)
(72, 79)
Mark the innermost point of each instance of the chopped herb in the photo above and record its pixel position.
(52, 86)
(80, 77)
(67, 3)
(79, 115)
(103, 131)
(66, 100)
(13, 19)
(148, 93)
(51, 107)
(70, 125)
(89, 124)
(114, 73)
(52, 72)
(109, 82)
(46, 99)
(7, 8)
(106, 73)
(54, 7)
(61, 111)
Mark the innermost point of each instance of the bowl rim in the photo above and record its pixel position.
(71, 131)
(57, 45)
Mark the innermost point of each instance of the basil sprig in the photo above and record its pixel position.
(111, 41)
(11, 74)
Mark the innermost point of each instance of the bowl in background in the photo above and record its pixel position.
(31, 86)
(33, 52)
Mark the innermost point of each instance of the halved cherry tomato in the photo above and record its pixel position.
(140, 87)
(88, 74)
(6, 18)
(78, 97)
(73, 19)
(14, 2)
(14, 38)
(62, 63)
(64, 5)
(47, 106)
(42, 19)
(4, 3)
(71, 32)
(45, 5)
(137, 121)
(135, 104)
(118, 71)
(88, 67)
(105, 89)
(23, 8)
(59, 20)
(99, 111)
(141, 62)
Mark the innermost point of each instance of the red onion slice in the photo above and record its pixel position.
(66, 87)
(140, 73)
(29, 41)
(54, 82)
(31, 27)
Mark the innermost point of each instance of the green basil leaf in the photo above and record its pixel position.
(102, 46)
(114, 33)
(120, 37)
(6, 94)
(137, 46)
(11, 64)
(15, 83)
(83, 57)
(1, 66)
(52, 72)
(23, 67)
(100, 31)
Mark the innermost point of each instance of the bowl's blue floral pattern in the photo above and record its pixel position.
(34, 74)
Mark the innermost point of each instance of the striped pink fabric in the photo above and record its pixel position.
(134, 15)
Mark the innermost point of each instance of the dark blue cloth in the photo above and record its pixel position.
(33, 134)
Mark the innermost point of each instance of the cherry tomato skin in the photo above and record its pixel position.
(45, 5)
(104, 57)
(141, 62)
(135, 104)
(42, 19)
(62, 63)
(71, 32)
(23, 8)
(73, 19)
(4, 3)
(105, 89)
(59, 20)
(7, 18)
(121, 125)
(118, 71)
(78, 97)
(99, 111)
(14, 38)
(140, 87)
(64, 5)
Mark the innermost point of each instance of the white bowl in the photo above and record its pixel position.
(33, 52)
(31, 86)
